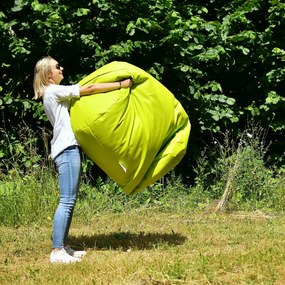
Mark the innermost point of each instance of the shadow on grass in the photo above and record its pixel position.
(127, 240)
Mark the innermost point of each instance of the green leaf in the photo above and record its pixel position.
(82, 12)
(184, 68)
(27, 104)
(8, 100)
(216, 117)
(231, 101)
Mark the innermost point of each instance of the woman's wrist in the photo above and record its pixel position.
(120, 85)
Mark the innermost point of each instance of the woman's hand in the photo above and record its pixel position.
(127, 83)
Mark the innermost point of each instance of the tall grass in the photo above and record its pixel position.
(236, 170)
(236, 167)
(27, 199)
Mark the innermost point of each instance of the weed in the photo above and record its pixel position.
(236, 171)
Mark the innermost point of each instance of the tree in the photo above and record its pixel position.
(223, 60)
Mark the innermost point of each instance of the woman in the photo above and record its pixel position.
(65, 149)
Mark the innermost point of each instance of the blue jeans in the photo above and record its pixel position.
(68, 165)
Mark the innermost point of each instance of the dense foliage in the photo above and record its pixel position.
(224, 61)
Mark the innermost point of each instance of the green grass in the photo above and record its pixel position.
(167, 234)
(150, 246)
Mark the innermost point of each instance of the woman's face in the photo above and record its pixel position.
(55, 74)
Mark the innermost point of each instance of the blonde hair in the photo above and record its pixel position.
(41, 79)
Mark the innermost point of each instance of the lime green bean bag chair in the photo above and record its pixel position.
(136, 135)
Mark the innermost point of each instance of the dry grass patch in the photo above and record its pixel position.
(151, 247)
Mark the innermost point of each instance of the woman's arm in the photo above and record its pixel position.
(104, 87)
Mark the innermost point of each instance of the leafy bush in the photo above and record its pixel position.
(19, 148)
(224, 60)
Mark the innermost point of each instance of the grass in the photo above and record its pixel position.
(150, 246)
(167, 234)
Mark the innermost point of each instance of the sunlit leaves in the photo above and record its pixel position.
(223, 60)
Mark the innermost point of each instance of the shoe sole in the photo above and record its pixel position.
(72, 260)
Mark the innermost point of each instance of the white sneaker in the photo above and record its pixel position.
(62, 256)
(74, 253)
